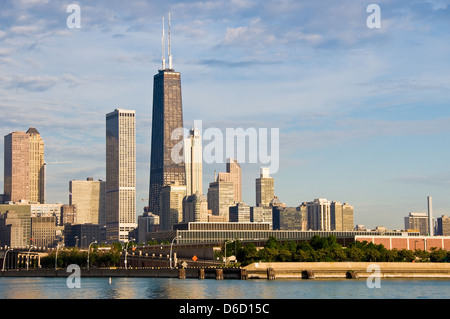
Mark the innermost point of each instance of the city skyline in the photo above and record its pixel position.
(362, 112)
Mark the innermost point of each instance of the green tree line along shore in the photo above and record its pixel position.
(318, 249)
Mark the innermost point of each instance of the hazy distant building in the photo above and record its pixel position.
(147, 223)
(341, 216)
(303, 209)
(195, 208)
(43, 231)
(24, 167)
(287, 218)
(259, 214)
(443, 226)
(68, 214)
(417, 221)
(22, 212)
(234, 169)
(167, 118)
(221, 197)
(120, 174)
(47, 210)
(89, 198)
(193, 159)
(265, 190)
(319, 214)
(81, 235)
(12, 230)
(171, 205)
(276, 202)
(239, 213)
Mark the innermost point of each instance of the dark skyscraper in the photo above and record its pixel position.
(167, 117)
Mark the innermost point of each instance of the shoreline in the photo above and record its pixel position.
(261, 270)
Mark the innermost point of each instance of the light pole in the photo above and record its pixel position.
(225, 255)
(28, 256)
(4, 258)
(56, 256)
(170, 256)
(126, 252)
(89, 249)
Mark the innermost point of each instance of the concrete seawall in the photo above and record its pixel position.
(201, 273)
(262, 270)
(293, 270)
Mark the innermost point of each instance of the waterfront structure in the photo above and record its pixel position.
(193, 159)
(171, 204)
(265, 189)
(239, 213)
(89, 198)
(120, 215)
(195, 208)
(221, 196)
(319, 214)
(24, 167)
(443, 226)
(259, 214)
(167, 120)
(259, 233)
(417, 221)
(341, 216)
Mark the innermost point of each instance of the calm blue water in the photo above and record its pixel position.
(172, 288)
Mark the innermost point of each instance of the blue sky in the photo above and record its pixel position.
(363, 113)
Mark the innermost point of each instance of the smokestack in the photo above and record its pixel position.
(430, 217)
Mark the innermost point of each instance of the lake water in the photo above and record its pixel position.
(173, 288)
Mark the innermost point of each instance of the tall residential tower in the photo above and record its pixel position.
(193, 161)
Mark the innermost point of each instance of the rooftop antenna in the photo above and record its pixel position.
(170, 54)
(163, 48)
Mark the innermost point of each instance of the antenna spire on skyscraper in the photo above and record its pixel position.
(170, 53)
(163, 47)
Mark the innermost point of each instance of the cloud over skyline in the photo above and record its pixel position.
(363, 113)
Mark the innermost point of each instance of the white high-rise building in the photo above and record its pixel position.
(319, 217)
(193, 162)
(120, 175)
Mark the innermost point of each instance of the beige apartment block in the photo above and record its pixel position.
(234, 169)
(195, 208)
(265, 189)
(221, 197)
(89, 198)
(171, 205)
(341, 216)
(43, 231)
